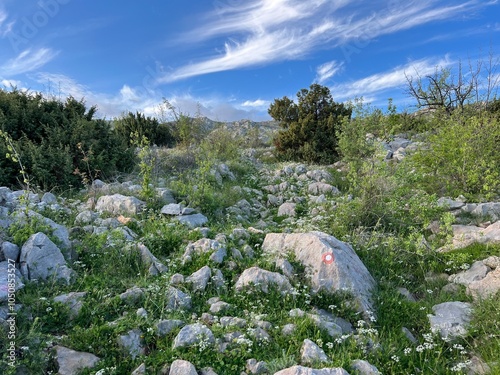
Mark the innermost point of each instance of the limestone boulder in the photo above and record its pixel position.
(71, 362)
(181, 367)
(194, 334)
(118, 204)
(485, 287)
(41, 259)
(450, 319)
(262, 279)
(192, 221)
(331, 265)
(465, 235)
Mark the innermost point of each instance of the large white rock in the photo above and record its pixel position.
(41, 259)
(118, 204)
(344, 272)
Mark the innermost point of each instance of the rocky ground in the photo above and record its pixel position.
(198, 297)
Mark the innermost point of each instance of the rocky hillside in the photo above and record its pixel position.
(272, 269)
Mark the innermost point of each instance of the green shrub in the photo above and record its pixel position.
(50, 135)
(310, 127)
(461, 157)
(137, 123)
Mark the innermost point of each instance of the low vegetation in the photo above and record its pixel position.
(384, 208)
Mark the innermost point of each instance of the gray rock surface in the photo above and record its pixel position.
(364, 368)
(73, 300)
(132, 343)
(199, 279)
(194, 334)
(287, 209)
(118, 204)
(9, 250)
(262, 279)
(450, 319)
(486, 287)
(181, 367)
(164, 327)
(344, 272)
(71, 362)
(41, 259)
(171, 209)
(310, 353)
(154, 266)
(476, 272)
(6, 285)
(193, 221)
(177, 300)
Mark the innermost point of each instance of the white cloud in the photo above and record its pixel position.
(11, 83)
(258, 103)
(327, 70)
(27, 61)
(380, 82)
(266, 31)
(149, 102)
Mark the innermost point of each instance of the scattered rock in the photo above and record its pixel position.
(177, 300)
(73, 300)
(193, 221)
(255, 367)
(476, 272)
(132, 343)
(164, 327)
(199, 279)
(71, 362)
(141, 370)
(486, 287)
(7, 284)
(310, 353)
(451, 319)
(172, 209)
(287, 209)
(132, 295)
(154, 266)
(118, 204)
(262, 279)
(41, 259)
(181, 367)
(9, 251)
(194, 334)
(317, 188)
(364, 368)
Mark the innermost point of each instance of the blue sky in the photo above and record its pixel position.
(229, 59)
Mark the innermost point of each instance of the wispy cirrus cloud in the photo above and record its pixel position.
(5, 28)
(327, 70)
(264, 31)
(376, 84)
(27, 61)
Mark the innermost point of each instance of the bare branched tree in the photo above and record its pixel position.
(449, 91)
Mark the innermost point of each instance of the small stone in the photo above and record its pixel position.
(181, 367)
(72, 362)
(164, 327)
(310, 353)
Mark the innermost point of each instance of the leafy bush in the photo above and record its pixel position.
(50, 136)
(137, 123)
(461, 157)
(310, 127)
